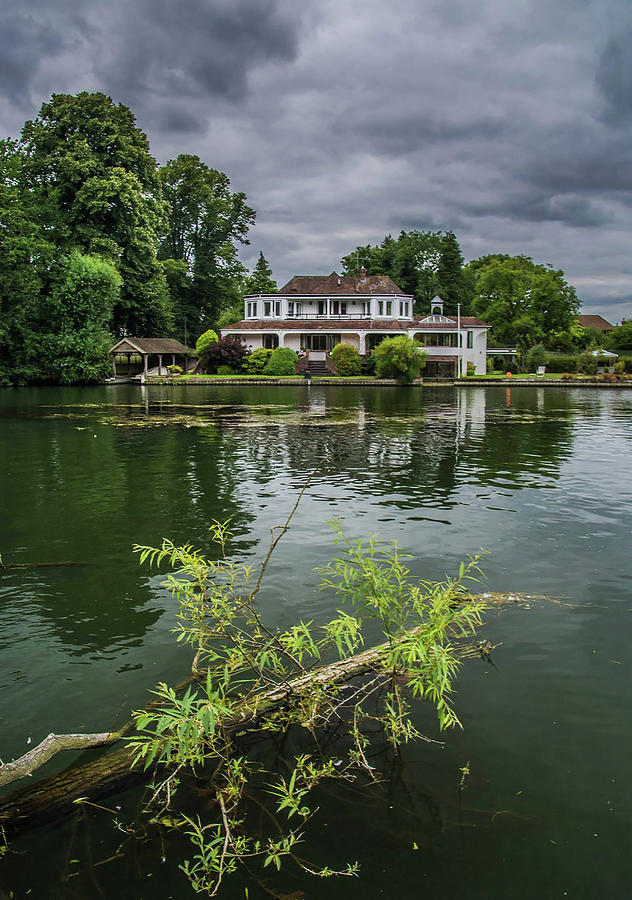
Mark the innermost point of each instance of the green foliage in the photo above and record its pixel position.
(227, 351)
(536, 356)
(368, 364)
(346, 359)
(98, 189)
(620, 338)
(256, 362)
(523, 301)
(587, 364)
(426, 630)
(400, 358)
(225, 370)
(261, 280)
(175, 370)
(282, 362)
(205, 223)
(423, 263)
(561, 363)
(205, 340)
(470, 369)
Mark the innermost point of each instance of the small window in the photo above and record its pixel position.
(270, 341)
(321, 307)
(389, 307)
(267, 308)
(277, 308)
(380, 307)
(470, 340)
(343, 307)
(401, 308)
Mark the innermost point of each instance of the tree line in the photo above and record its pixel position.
(97, 240)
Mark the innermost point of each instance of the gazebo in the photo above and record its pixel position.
(151, 347)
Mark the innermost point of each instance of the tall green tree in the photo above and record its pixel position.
(260, 281)
(523, 301)
(100, 194)
(26, 255)
(450, 273)
(205, 222)
(76, 315)
(422, 263)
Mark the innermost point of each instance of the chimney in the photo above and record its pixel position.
(362, 273)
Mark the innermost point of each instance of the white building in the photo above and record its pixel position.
(315, 312)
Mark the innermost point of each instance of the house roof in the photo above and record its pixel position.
(326, 285)
(598, 323)
(350, 325)
(150, 345)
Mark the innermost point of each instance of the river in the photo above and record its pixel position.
(539, 477)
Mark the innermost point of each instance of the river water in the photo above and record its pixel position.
(541, 478)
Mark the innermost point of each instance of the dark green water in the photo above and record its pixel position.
(542, 478)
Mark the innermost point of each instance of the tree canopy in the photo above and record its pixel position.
(523, 301)
(422, 263)
(205, 222)
(82, 202)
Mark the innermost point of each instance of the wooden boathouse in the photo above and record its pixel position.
(137, 358)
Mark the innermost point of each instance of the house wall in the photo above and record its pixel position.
(475, 354)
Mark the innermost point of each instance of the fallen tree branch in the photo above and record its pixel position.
(51, 745)
(55, 796)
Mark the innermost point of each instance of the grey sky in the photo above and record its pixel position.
(508, 121)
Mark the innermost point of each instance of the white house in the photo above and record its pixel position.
(315, 312)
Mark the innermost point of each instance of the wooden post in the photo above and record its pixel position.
(160, 363)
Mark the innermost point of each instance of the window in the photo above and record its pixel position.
(366, 308)
(380, 307)
(277, 308)
(470, 340)
(401, 308)
(437, 339)
(252, 309)
(267, 307)
(343, 307)
(389, 307)
(321, 307)
(294, 308)
(270, 341)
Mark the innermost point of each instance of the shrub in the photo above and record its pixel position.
(610, 377)
(490, 365)
(536, 356)
(619, 367)
(205, 340)
(561, 363)
(225, 370)
(470, 369)
(282, 362)
(399, 358)
(175, 370)
(367, 364)
(566, 376)
(587, 364)
(346, 359)
(255, 363)
(228, 351)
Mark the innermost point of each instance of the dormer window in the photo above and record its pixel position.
(436, 306)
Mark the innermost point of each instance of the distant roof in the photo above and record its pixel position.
(596, 322)
(308, 325)
(340, 284)
(150, 345)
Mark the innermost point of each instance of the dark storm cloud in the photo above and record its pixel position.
(197, 49)
(508, 122)
(23, 41)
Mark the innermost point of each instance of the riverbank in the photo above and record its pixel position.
(513, 381)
